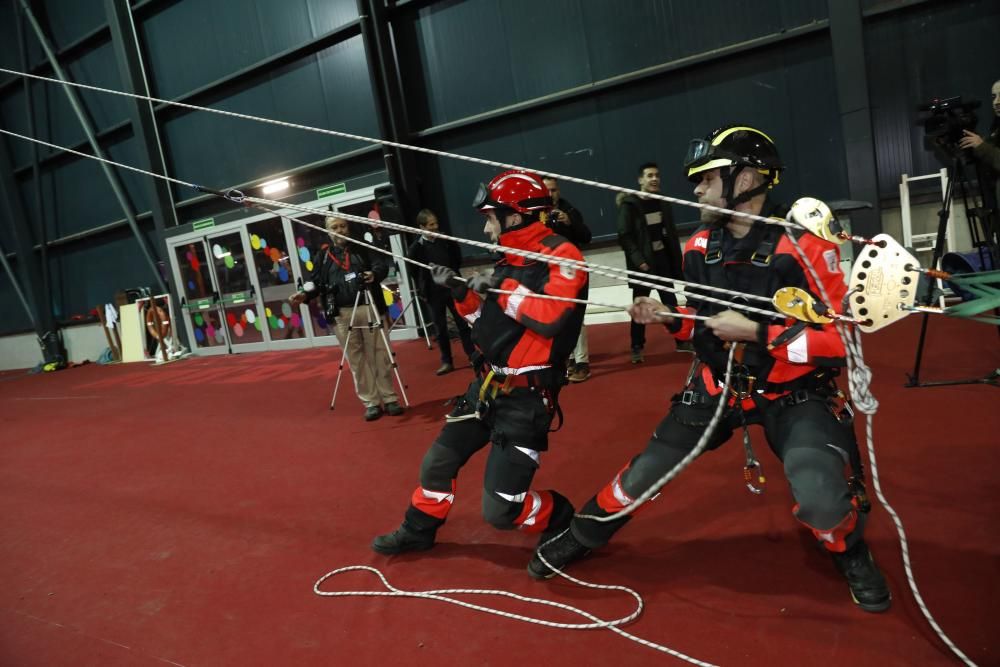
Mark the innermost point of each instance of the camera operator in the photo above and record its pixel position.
(987, 151)
(347, 281)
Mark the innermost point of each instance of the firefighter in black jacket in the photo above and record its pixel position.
(783, 381)
(430, 250)
(347, 280)
(524, 342)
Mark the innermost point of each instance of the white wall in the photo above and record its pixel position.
(83, 342)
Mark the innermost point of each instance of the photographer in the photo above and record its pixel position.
(987, 151)
(347, 281)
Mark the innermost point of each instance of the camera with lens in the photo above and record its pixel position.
(947, 119)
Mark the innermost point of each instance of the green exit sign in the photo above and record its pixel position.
(335, 189)
(204, 223)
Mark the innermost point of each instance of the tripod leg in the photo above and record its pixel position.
(392, 355)
(420, 316)
(343, 352)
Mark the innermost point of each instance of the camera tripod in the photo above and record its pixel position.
(374, 322)
(415, 304)
(984, 240)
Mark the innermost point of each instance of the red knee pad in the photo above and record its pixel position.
(613, 498)
(536, 512)
(833, 539)
(435, 503)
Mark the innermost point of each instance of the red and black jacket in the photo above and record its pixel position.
(761, 263)
(516, 333)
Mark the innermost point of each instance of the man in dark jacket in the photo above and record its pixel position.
(649, 238)
(347, 280)
(524, 342)
(430, 250)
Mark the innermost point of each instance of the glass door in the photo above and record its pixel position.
(276, 279)
(200, 302)
(238, 297)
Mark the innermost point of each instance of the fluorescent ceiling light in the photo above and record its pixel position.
(277, 185)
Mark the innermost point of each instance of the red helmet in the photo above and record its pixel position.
(518, 190)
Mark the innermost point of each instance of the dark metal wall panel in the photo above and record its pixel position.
(109, 264)
(328, 90)
(327, 15)
(14, 319)
(14, 115)
(55, 120)
(130, 152)
(626, 36)
(191, 44)
(546, 53)
(458, 64)
(78, 197)
(10, 57)
(606, 138)
(69, 20)
(939, 50)
(476, 56)
(97, 68)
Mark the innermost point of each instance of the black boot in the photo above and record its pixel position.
(560, 553)
(402, 540)
(562, 516)
(868, 587)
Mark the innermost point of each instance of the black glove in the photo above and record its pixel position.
(445, 277)
(481, 284)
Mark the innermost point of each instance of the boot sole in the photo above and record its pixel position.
(551, 573)
(386, 551)
(540, 577)
(873, 607)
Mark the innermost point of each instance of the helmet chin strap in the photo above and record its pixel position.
(729, 185)
(526, 219)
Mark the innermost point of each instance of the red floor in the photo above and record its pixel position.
(180, 515)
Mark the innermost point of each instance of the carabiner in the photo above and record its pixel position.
(748, 475)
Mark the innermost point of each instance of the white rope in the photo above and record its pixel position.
(859, 378)
(441, 595)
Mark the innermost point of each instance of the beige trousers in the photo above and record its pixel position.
(368, 358)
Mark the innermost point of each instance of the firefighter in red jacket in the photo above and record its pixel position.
(524, 343)
(783, 379)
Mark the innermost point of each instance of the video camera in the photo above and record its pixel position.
(947, 120)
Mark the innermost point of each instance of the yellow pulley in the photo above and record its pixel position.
(799, 304)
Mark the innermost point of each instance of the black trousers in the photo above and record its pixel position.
(812, 444)
(661, 267)
(440, 302)
(516, 426)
